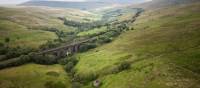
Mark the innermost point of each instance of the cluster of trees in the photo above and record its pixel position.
(60, 34)
(69, 63)
(46, 59)
(121, 67)
(63, 37)
(49, 45)
(14, 62)
(87, 46)
(31, 57)
(17, 51)
(3, 49)
(13, 52)
(84, 25)
(77, 80)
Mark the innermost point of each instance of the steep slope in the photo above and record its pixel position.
(163, 52)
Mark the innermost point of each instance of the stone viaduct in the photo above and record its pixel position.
(67, 49)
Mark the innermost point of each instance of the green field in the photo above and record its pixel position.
(163, 51)
(34, 76)
(92, 32)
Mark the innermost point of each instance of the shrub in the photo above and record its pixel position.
(85, 78)
(104, 39)
(76, 85)
(69, 66)
(52, 84)
(3, 50)
(1, 44)
(119, 68)
(72, 59)
(12, 62)
(3, 57)
(63, 61)
(86, 47)
(47, 59)
(43, 59)
(17, 51)
(7, 40)
(32, 57)
(12, 53)
(49, 44)
(124, 66)
(132, 29)
(25, 58)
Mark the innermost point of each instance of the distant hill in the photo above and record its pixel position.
(156, 4)
(90, 4)
(64, 4)
(122, 1)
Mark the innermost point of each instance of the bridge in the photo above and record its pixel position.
(67, 49)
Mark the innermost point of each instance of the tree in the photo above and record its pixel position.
(124, 65)
(51, 84)
(43, 59)
(1, 45)
(87, 46)
(7, 39)
(25, 58)
(76, 85)
(3, 50)
(69, 66)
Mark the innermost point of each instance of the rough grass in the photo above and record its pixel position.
(164, 52)
(42, 16)
(32, 76)
(24, 24)
(19, 35)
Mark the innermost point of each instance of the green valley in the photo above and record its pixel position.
(154, 44)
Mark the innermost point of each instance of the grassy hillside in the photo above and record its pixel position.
(163, 52)
(19, 35)
(157, 4)
(24, 26)
(34, 76)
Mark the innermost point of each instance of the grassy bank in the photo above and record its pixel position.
(162, 51)
(34, 76)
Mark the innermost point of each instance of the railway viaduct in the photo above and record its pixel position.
(66, 49)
